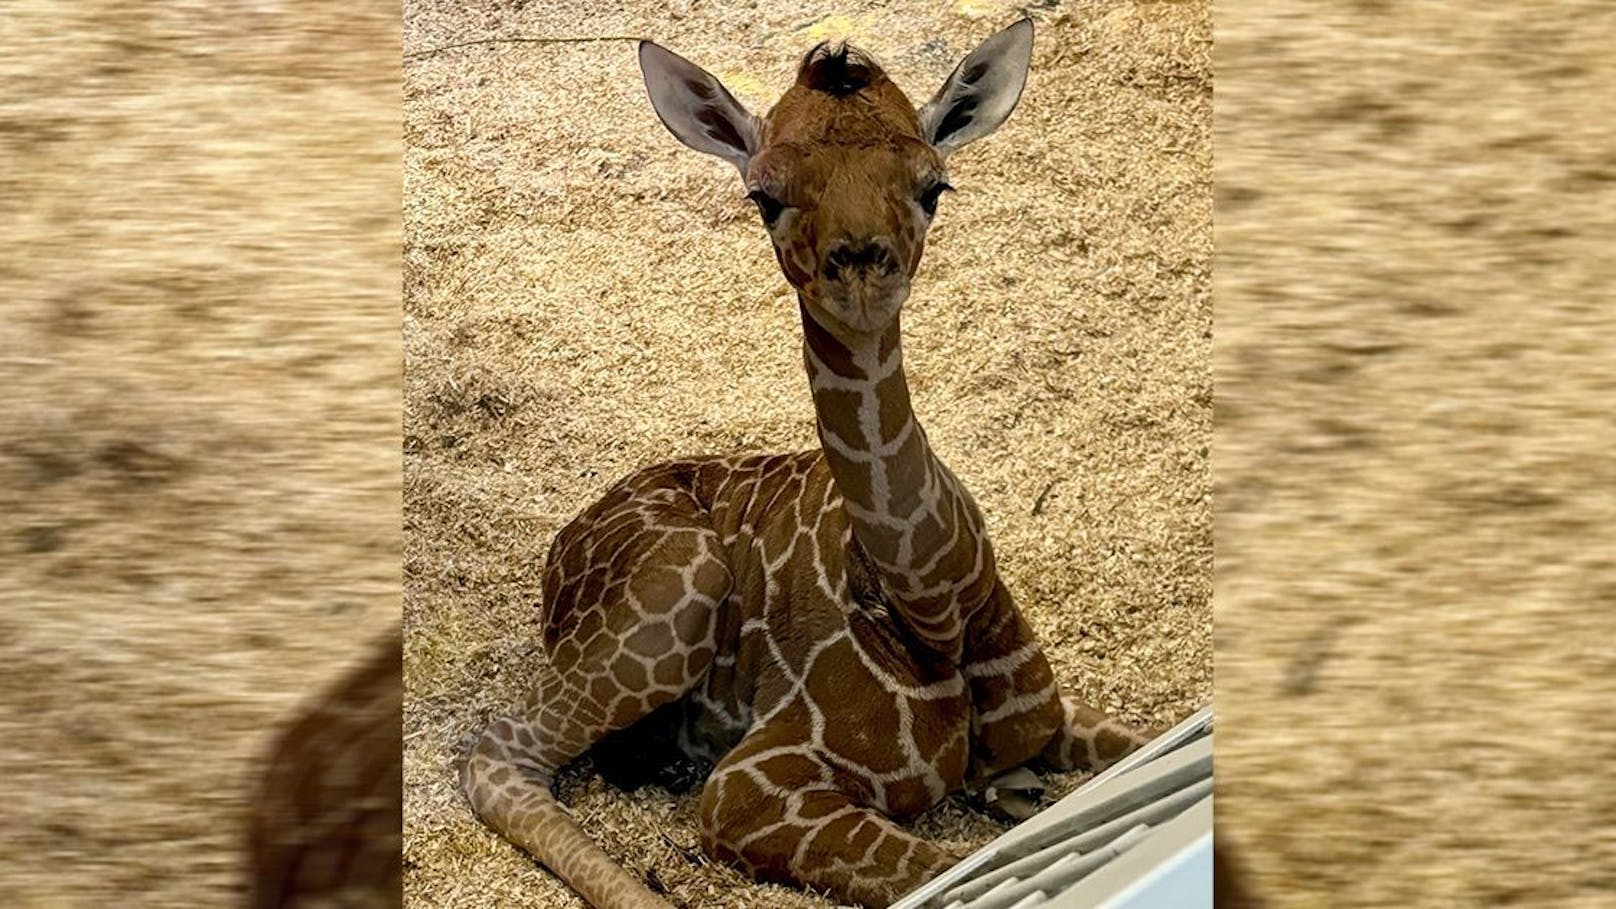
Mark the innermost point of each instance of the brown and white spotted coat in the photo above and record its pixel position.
(826, 628)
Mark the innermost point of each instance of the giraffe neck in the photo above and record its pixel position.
(910, 515)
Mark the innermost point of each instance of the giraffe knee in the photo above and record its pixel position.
(501, 741)
(1015, 737)
(484, 766)
(821, 839)
(492, 763)
(733, 809)
(759, 826)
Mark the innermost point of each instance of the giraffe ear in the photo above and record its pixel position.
(981, 92)
(696, 107)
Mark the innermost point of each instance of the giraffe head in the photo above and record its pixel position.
(845, 171)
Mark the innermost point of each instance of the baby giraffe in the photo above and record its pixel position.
(826, 628)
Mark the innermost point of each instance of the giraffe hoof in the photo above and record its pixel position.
(1012, 796)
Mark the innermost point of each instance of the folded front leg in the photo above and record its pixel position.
(773, 808)
(1090, 740)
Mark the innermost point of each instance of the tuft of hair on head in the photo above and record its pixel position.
(837, 68)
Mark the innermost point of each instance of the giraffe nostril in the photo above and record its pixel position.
(869, 255)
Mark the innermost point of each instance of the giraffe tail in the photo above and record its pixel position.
(514, 796)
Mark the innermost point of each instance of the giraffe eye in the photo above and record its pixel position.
(768, 206)
(928, 199)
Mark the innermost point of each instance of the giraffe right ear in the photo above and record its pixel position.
(696, 107)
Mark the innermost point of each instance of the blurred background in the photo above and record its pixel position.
(1416, 204)
(199, 453)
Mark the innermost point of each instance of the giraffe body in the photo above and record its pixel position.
(826, 629)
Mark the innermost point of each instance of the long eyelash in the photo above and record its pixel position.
(768, 206)
(928, 199)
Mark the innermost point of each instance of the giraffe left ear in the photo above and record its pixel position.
(981, 92)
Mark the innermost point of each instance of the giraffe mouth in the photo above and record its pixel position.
(865, 309)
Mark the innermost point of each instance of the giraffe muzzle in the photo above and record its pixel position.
(863, 284)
